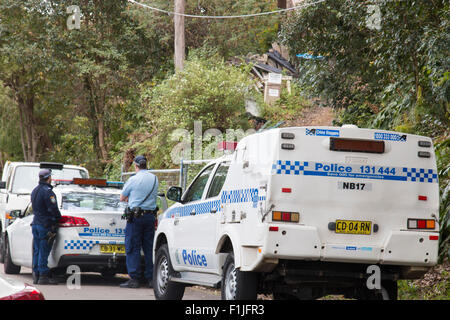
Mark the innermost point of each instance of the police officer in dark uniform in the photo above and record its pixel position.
(44, 226)
(140, 191)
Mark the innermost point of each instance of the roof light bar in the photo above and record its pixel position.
(90, 182)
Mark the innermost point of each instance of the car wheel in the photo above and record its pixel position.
(236, 284)
(9, 266)
(164, 288)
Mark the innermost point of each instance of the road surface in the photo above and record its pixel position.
(94, 287)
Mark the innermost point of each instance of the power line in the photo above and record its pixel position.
(226, 17)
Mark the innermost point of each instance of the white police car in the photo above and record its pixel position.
(91, 232)
(304, 212)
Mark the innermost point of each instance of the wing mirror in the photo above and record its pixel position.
(2, 184)
(16, 214)
(174, 194)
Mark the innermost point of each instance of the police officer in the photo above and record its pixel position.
(140, 191)
(44, 225)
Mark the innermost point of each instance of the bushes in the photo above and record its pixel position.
(209, 92)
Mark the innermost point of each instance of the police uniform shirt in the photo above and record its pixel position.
(138, 187)
(45, 207)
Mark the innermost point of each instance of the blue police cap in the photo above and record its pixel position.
(45, 173)
(140, 160)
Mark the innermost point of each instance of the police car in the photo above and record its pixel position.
(91, 232)
(304, 212)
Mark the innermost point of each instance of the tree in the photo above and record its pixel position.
(398, 71)
(229, 36)
(25, 64)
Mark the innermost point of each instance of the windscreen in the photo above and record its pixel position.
(82, 201)
(26, 178)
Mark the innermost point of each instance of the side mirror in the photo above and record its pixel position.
(16, 213)
(174, 194)
(2, 184)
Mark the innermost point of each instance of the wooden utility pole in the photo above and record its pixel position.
(180, 54)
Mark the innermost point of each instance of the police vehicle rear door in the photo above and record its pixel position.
(361, 189)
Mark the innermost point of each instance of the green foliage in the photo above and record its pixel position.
(401, 69)
(287, 107)
(207, 90)
(229, 36)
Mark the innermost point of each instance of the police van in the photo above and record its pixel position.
(304, 212)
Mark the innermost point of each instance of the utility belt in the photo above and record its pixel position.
(133, 213)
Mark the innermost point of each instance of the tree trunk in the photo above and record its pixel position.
(28, 132)
(96, 111)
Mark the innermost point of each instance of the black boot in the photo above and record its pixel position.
(44, 279)
(35, 278)
(132, 283)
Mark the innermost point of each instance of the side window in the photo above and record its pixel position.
(195, 192)
(218, 180)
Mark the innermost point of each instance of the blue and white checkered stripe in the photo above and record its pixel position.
(420, 175)
(227, 196)
(79, 244)
(289, 167)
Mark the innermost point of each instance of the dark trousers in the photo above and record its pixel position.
(139, 235)
(41, 249)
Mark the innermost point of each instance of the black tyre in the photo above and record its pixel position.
(238, 285)
(9, 266)
(2, 246)
(162, 286)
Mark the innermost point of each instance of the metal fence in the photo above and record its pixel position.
(182, 172)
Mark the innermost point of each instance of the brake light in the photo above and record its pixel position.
(422, 198)
(28, 293)
(286, 190)
(285, 216)
(227, 145)
(69, 221)
(421, 224)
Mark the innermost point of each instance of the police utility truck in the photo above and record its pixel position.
(303, 212)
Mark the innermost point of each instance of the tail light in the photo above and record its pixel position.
(28, 293)
(421, 224)
(69, 221)
(285, 216)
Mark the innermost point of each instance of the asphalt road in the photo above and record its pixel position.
(93, 286)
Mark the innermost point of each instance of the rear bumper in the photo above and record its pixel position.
(88, 262)
(296, 242)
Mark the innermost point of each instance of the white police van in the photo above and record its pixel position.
(91, 232)
(304, 212)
